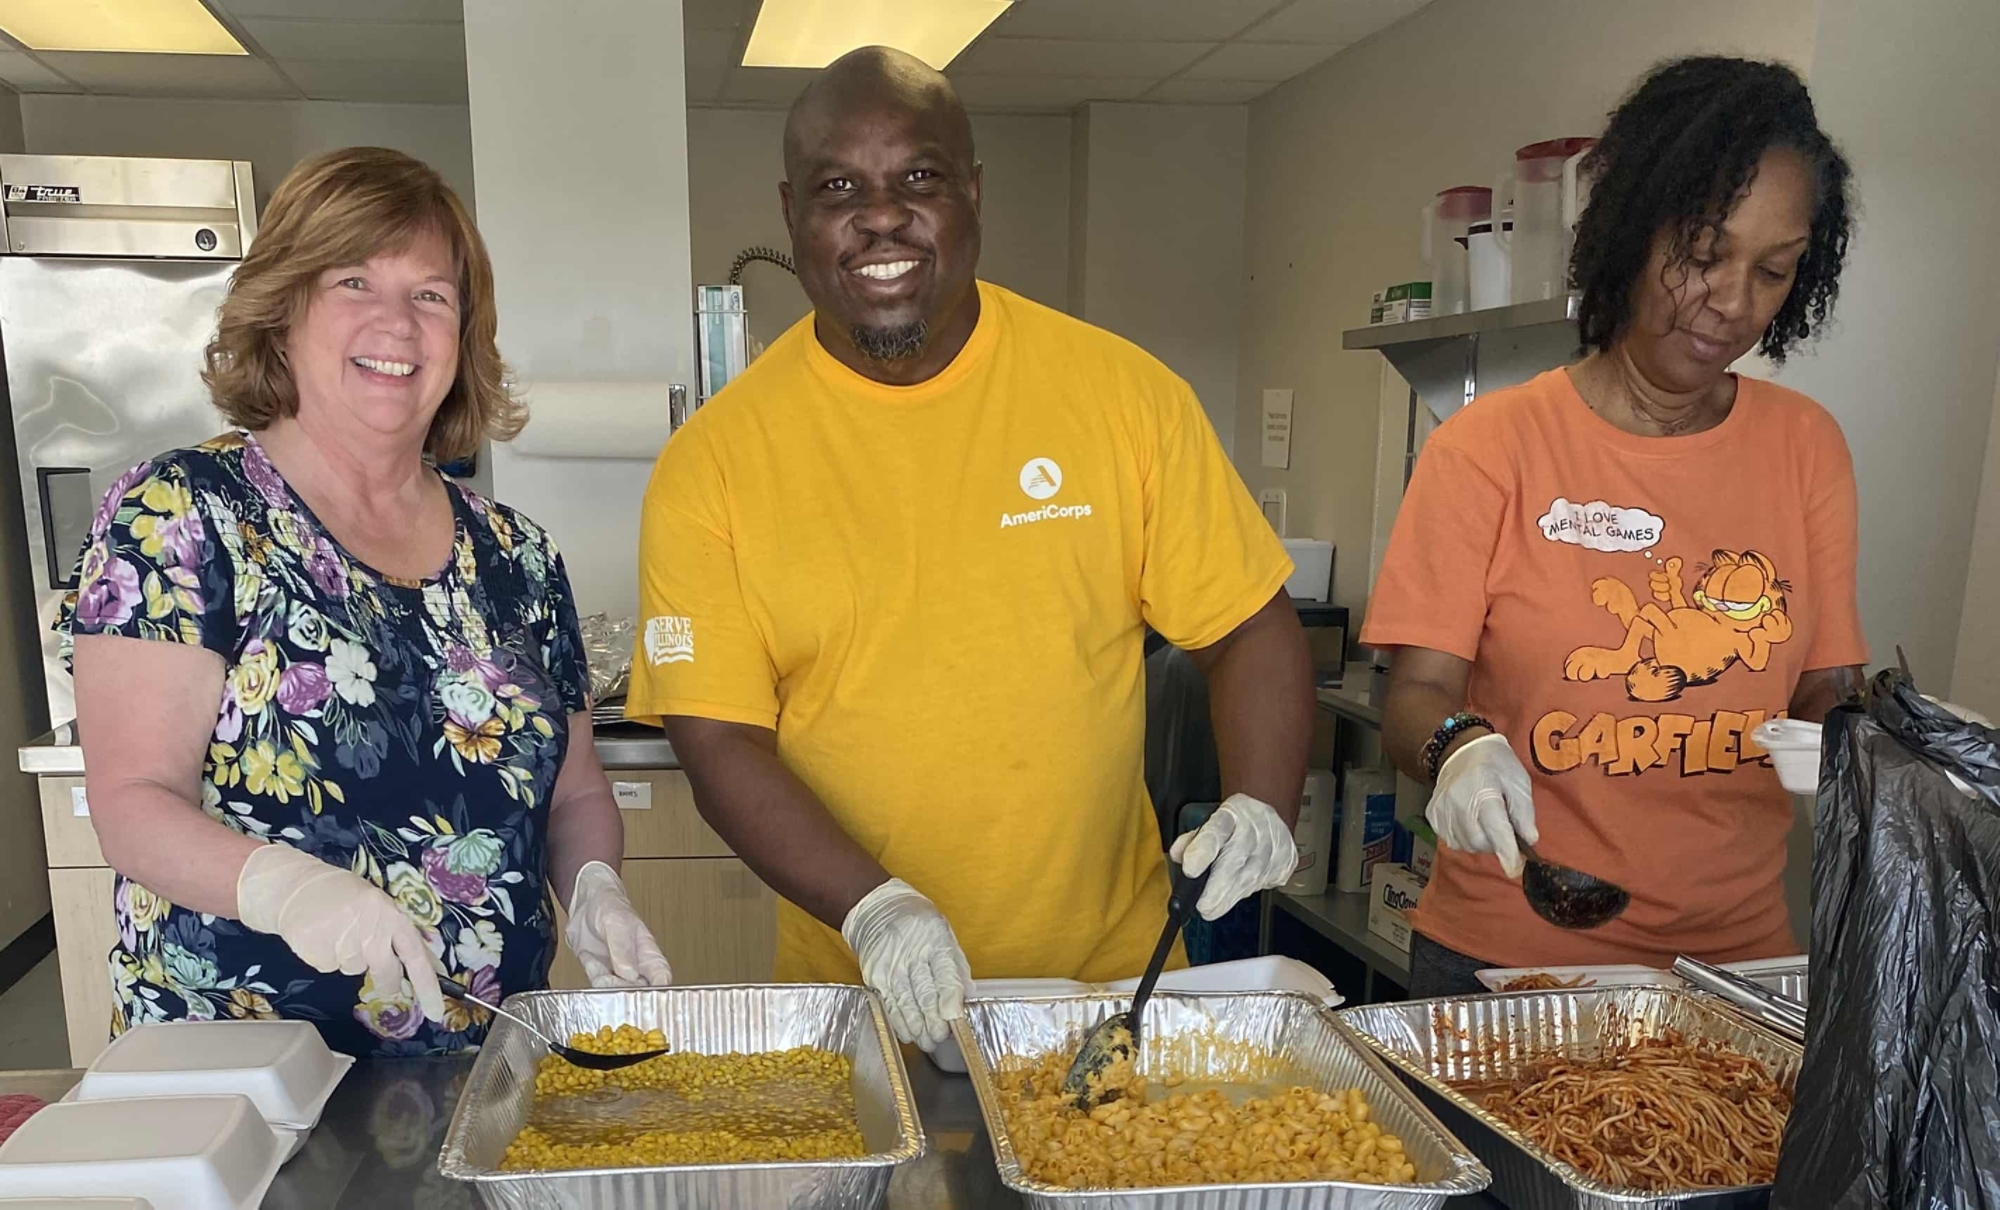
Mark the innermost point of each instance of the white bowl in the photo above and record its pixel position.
(179, 1153)
(282, 1066)
(1794, 749)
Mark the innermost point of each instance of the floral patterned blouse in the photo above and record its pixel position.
(410, 732)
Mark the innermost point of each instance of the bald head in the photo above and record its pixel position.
(881, 196)
(872, 81)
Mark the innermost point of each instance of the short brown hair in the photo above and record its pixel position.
(342, 208)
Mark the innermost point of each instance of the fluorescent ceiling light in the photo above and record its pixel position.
(813, 33)
(170, 27)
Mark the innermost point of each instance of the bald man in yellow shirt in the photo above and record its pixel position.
(895, 582)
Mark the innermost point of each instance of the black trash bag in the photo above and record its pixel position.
(1898, 1104)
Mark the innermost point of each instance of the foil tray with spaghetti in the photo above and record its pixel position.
(1442, 1047)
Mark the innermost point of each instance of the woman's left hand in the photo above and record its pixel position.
(614, 945)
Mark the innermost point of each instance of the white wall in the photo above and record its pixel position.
(1161, 243)
(1342, 158)
(11, 138)
(736, 159)
(1975, 681)
(587, 222)
(1909, 92)
(272, 135)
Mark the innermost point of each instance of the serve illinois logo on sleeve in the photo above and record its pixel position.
(670, 640)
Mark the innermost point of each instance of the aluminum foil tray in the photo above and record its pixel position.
(707, 1020)
(1435, 1043)
(1178, 1032)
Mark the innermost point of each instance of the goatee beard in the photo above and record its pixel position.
(899, 342)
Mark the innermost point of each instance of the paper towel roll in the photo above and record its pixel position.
(625, 420)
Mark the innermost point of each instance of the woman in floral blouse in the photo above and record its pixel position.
(333, 705)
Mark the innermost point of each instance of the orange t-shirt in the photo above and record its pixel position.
(1633, 607)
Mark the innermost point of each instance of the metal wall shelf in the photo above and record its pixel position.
(1466, 323)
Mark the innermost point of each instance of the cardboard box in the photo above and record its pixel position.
(1390, 899)
(1408, 301)
(1423, 851)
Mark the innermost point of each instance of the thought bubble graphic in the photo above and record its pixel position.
(1601, 526)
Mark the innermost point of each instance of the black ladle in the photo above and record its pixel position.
(581, 1058)
(1117, 1036)
(1567, 898)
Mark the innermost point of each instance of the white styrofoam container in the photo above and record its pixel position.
(284, 1067)
(1632, 975)
(1794, 749)
(179, 1153)
(1274, 973)
(1312, 569)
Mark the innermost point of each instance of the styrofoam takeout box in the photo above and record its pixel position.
(1794, 749)
(284, 1067)
(179, 1153)
(1497, 978)
(1269, 974)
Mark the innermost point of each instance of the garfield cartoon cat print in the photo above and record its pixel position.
(1735, 615)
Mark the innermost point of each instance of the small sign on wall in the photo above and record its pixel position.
(79, 806)
(1278, 427)
(633, 795)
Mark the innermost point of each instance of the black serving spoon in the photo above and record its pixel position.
(1567, 898)
(581, 1058)
(1118, 1035)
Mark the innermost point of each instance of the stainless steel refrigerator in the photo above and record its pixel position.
(111, 271)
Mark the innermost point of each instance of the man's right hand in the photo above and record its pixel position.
(909, 954)
(1482, 800)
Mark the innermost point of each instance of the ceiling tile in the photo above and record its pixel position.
(766, 85)
(345, 10)
(358, 42)
(1044, 92)
(1332, 22)
(1183, 91)
(1116, 20)
(1273, 61)
(708, 54)
(380, 81)
(23, 74)
(1077, 60)
(170, 75)
(717, 14)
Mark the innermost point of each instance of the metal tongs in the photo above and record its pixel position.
(1760, 1003)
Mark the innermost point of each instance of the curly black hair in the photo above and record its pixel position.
(1677, 152)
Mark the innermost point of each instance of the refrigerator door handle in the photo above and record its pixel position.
(67, 508)
(677, 406)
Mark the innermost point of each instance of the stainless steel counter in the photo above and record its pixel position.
(619, 746)
(377, 1145)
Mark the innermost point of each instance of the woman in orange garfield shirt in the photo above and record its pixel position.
(1602, 580)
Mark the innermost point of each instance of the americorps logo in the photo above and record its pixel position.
(1041, 478)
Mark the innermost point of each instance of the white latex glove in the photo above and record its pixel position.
(336, 920)
(607, 936)
(909, 954)
(1245, 847)
(1482, 800)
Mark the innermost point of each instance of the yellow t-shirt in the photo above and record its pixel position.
(937, 596)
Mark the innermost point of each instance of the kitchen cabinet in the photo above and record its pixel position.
(715, 920)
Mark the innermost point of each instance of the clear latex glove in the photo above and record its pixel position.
(607, 936)
(336, 920)
(1245, 847)
(1483, 799)
(909, 954)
